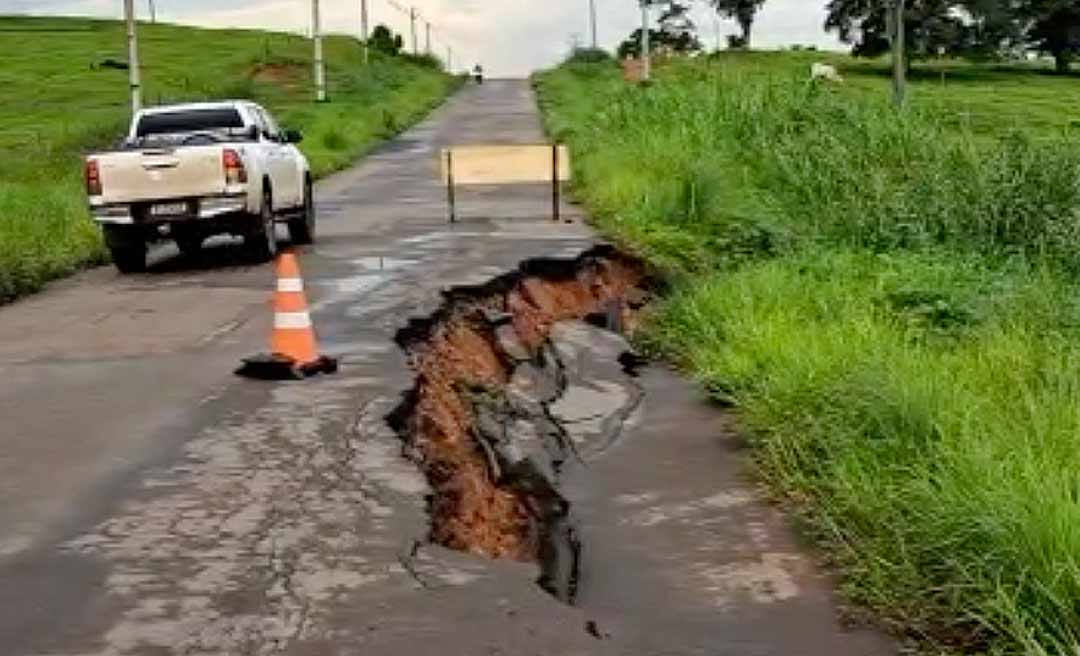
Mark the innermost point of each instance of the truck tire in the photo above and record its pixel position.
(302, 227)
(261, 242)
(127, 245)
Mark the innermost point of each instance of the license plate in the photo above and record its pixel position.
(169, 209)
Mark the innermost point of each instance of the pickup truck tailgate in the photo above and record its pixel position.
(160, 174)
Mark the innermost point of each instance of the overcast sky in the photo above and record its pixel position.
(510, 37)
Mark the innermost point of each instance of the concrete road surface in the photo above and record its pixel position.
(153, 503)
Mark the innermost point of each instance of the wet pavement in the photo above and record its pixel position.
(155, 504)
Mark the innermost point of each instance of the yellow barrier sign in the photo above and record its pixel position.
(495, 165)
(500, 165)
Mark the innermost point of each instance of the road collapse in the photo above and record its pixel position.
(478, 421)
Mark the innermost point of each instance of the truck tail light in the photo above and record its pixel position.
(235, 173)
(93, 178)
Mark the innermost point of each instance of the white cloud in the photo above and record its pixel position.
(511, 37)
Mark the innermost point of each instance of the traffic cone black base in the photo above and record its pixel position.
(282, 367)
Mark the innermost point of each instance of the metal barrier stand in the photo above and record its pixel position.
(450, 184)
(555, 182)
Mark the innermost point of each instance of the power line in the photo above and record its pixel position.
(432, 32)
(412, 13)
(398, 6)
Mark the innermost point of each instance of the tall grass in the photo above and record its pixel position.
(768, 160)
(39, 239)
(57, 102)
(925, 414)
(891, 305)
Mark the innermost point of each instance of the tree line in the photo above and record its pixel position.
(964, 28)
(978, 29)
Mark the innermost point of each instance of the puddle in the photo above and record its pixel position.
(438, 236)
(360, 284)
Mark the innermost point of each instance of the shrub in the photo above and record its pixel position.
(589, 56)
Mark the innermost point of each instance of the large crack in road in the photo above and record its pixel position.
(491, 420)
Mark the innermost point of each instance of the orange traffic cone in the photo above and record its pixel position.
(294, 352)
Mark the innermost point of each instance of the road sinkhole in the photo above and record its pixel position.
(483, 421)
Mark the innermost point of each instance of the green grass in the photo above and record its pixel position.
(889, 301)
(57, 102)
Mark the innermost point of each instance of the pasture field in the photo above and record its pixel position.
(890, 303)
(59, 98)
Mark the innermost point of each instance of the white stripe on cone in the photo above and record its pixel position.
(292, 320)
(290, 285)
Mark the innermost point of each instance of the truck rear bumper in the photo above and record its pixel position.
(209, 207)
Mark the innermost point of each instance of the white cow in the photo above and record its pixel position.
(825, 72)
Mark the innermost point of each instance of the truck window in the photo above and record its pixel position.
(257, 119)
(271, 128)
(190, 120)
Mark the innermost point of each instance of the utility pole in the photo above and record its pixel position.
(592, 24)
(133, 56)
(427, 48)
(364, 28)
(153, 11)
(320, 69)
(646, 63)
(898, 54)
(412, 28)
(449, 59)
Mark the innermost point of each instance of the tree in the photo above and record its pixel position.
(1054, 29)
(931, 26)
(675, 21)
(676, 33)
(384, 41)
(580, 55)
(969, 28)
(744, 12)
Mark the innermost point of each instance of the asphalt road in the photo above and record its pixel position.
(153, 503)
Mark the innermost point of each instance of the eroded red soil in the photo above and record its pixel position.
(472, 510)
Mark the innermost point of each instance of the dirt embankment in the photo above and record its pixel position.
(488, 499)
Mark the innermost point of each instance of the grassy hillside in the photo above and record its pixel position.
(57, 101)
(988, 100)
(890, 302)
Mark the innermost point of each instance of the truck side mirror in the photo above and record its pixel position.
(293, 136)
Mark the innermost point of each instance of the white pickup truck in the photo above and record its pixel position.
(187, 172)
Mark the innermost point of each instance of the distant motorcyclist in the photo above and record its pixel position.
(478, 73)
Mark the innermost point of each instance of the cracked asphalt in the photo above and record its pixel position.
(156, 504)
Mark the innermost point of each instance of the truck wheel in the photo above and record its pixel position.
(302, 227)
(261, 242)
(127, 245)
